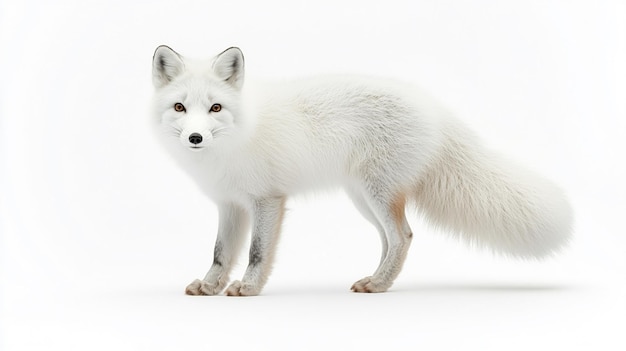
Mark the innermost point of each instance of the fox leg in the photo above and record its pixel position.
(268, 216)
(233, 225)
(390, 213)
(366, 212)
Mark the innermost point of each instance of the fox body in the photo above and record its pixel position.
(384, 142)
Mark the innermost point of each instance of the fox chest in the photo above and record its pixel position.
(230, 180)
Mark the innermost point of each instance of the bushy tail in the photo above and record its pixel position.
(491, 203)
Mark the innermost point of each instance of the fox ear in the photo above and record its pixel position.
(229, 66)
(166, 65)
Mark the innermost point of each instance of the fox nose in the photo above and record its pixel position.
(195, 138)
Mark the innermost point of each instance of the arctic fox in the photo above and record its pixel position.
(384, 142)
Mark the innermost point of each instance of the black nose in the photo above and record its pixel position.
(195, 138)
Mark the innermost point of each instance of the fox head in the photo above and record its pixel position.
(198, 102)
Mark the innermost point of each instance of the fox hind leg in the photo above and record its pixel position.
(363, 208)
(389, 211)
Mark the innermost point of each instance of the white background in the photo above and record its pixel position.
(101, 232)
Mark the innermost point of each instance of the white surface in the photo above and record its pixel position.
(101, 232)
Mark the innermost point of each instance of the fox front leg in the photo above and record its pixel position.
(268, 216)
(233, 225)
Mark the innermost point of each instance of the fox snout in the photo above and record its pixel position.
(196, 141)
(195, 138)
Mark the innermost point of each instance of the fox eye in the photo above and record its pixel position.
(178, 107)
(216, 108)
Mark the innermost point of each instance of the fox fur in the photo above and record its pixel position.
(386, 143)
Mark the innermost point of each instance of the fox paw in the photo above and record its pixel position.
(369, 285)
(200, 287)
(238, 288)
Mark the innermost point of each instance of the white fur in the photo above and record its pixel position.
(384, 142)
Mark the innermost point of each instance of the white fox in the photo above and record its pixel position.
(384, 142)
